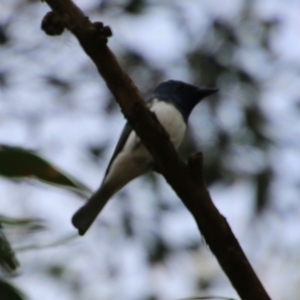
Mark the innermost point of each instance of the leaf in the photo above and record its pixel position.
(9, 292)
(8, 260)
(33, 224)
(56, 243)
(17, 162)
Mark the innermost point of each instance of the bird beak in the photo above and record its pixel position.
(207, 92)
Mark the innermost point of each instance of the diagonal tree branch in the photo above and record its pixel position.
(186, 180)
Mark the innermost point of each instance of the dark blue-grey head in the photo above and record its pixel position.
(183, 95)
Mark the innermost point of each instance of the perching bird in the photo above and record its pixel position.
(172, 103)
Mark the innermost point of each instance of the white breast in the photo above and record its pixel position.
(171, 119)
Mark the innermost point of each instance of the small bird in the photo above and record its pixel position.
(172, 102)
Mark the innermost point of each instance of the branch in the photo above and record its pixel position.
(186, 180)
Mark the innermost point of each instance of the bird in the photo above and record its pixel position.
(172, 102)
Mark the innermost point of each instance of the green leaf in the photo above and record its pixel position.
(17, 162)
(59, 242)
(9, 292)
(33, 224)
(8, 261)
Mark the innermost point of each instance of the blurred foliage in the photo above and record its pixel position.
(9, 292)
(31, 224)
(8, 261)
(17, 162)
(59, 242)
(64, 86)
(264, 180)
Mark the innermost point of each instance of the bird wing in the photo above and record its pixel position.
(123, 138)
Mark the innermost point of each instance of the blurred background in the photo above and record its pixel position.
(59, 124)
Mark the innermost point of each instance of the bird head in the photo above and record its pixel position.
(182, 95)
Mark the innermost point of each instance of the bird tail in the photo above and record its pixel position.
(87, 214)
